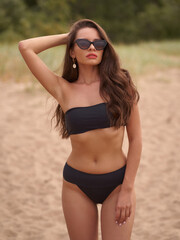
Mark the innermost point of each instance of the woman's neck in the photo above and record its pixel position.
(88, 74)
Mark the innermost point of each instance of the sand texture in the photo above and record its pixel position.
(32, 157)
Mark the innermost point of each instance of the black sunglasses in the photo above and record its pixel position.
(99, 44)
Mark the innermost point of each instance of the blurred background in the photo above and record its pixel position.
(146, 36)
(125, 21)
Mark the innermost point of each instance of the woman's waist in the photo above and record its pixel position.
(105, 162)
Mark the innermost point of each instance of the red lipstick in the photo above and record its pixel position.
(91, 55)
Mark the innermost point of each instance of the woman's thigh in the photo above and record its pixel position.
(109, 229)
(81, 214)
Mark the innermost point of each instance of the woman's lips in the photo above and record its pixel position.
(91, 55)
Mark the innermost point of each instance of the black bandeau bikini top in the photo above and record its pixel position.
(83, 119)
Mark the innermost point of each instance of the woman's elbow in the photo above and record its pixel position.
(22, 46)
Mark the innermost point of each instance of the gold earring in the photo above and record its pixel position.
(74, 64)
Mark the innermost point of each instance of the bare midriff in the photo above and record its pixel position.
(97, 151)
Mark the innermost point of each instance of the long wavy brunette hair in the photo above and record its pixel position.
(116, 85)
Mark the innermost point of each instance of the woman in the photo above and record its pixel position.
(96, 99)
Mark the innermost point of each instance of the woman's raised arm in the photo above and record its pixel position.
(29, 49)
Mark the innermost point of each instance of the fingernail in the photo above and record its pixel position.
(117, 222)
(120, 224)
(124, 222)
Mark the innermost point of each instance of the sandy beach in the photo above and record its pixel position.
(32, 156)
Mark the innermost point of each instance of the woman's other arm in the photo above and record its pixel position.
(135, 148)
(123, 208)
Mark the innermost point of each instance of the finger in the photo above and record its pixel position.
(122, 215)
(127, 213)
(130, 210)
(117, 215)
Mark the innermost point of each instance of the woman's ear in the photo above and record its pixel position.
(72, 54)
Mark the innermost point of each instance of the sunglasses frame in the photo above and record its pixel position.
(94, 42)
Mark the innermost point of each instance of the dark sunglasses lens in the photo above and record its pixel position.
(100, 44)
(83, 43)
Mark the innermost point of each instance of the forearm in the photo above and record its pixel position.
(39, 44)
(133, 159)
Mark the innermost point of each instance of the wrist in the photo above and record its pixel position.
(128, 187)
(64, 38)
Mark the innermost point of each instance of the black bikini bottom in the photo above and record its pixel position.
(96, 186)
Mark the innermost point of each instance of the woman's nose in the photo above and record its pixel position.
(92, 46)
